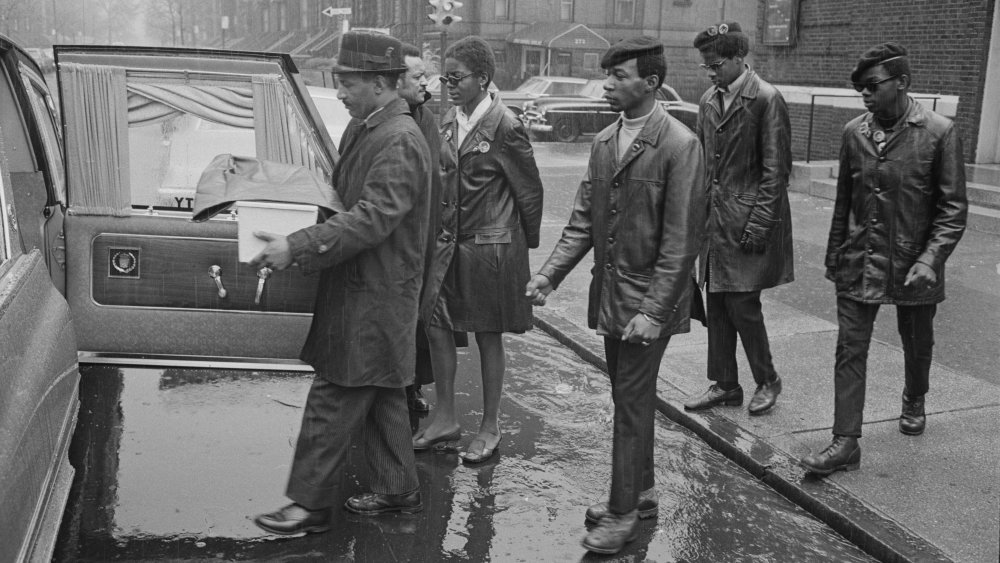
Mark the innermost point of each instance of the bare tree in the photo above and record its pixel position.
(118, 15)
(12, 11)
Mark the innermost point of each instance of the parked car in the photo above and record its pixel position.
(567, 118)
(100, 261)
(39, 372)
(538, 87)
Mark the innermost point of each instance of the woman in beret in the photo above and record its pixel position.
(491, 212)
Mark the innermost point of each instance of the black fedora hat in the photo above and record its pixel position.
(369, 51)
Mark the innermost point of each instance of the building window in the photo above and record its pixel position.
(566, 10)
(501, 9)
(590, 61)
(499, 57)
(624, 12)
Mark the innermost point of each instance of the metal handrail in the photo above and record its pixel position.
(812, 112)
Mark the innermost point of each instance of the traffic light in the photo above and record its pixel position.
(444, 12)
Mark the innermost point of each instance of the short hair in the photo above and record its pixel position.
(391, 78)
(647, 52)
(475, 53)
(411, 50)
(889, 54)
(725, 39)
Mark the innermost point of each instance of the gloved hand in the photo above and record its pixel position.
(754, 240)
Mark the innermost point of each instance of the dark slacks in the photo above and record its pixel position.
(856, 321)
(633, 369)
(737, 313)
(332, 414)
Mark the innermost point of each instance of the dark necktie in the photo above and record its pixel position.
(720, 93)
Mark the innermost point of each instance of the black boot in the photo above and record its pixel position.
(913, 420)
(843, 454)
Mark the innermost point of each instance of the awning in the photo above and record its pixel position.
(560, 35)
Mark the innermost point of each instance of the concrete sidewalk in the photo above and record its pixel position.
(934, 497)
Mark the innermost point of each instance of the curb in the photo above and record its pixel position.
(878, 536)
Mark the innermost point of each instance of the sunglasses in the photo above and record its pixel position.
(714, 67)
(871, 85)
(452, 79)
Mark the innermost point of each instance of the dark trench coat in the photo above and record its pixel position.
(371, 257)
(748, 160)
(491, 214)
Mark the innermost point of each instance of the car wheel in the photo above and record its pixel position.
(565, 130)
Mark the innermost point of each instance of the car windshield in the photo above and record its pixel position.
(593, 89)
(533, 86)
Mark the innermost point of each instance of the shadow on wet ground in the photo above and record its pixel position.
(172, 464)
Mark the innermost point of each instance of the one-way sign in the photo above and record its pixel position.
(336, 12)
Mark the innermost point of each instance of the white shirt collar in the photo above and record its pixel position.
(466, 123)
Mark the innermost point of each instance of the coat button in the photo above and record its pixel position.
(870, 251)
(614, 212)
(322, 248)
(878, 190)
(715, 180)
(719, 130)
(881, 159)
(609, 266)
(717, 155)
(617, 184)
(611, 240)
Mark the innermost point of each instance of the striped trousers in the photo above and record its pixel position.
(332, 414)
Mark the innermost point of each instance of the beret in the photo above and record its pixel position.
(723, 31)
(876, 56)
(631, 48)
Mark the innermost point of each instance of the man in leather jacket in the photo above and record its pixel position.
(744, 130)
(900, 210)
(641, 207)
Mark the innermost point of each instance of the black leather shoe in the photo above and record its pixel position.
(765, 396)
(843, 454)
(913, 420)
(415, 399)
(373, 503)
(715, 396)
(294, 519)
(612, 533)
(648, 507)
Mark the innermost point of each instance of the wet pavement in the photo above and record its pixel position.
(172, 464)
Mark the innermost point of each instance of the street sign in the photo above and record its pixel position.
(336, 12)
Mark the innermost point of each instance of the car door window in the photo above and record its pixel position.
(139, 139)
(5, 226)
(564, 88)
(44, 111)
(168, 156)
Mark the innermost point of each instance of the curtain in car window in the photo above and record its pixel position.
(152, 103)
(95, 106)
(282, 133)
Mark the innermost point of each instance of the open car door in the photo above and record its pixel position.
(39, 374)
(145, 283)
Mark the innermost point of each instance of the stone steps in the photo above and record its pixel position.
(818, 179)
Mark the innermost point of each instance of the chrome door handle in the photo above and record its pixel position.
(215, 273)
(262, 276)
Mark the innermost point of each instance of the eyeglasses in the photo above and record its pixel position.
(452, 79)
(714, 67)
(871, 85)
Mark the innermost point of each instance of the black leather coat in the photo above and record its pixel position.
(894, 209)
(748, 160)
(644, 216)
